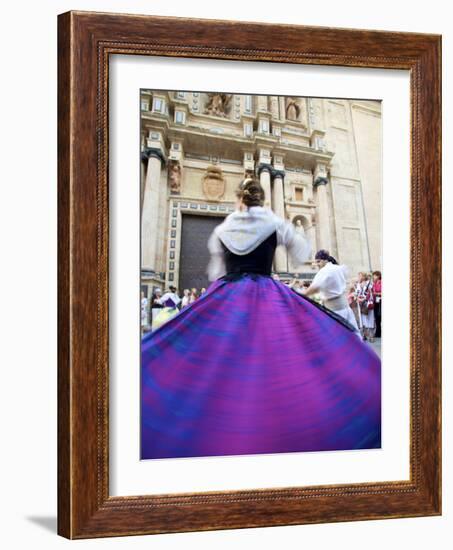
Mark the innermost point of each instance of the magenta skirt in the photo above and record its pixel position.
(252, 367)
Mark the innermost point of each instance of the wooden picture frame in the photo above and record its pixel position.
(85, 42)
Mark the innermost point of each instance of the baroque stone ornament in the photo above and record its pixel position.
(214, 183)
(218, 104)
(174, 176)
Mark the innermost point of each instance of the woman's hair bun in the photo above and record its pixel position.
(251, 192)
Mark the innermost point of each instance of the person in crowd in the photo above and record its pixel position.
(377, 293)
(352, 302)
(170, 302)
(144, 322)
(193, 296)
(172, 294)
(156, 304)
(365, 303)
(186, 298)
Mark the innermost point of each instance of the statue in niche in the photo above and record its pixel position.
(174, 176)
(299, 226)
(218, 104)
(292, 109)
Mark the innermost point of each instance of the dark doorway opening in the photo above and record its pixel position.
(195, 256)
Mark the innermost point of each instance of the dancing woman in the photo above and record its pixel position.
(330, 282)
(235, 373)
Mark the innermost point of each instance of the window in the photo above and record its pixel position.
(180, 117)
(264, 126)
(158, 105)
(299, 194)
(248, 130)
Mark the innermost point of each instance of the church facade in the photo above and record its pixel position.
(318, 160)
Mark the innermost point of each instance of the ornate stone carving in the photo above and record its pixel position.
(218, 104)
(214, 183)
(174, 176)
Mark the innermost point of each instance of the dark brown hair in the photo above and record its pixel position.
(324, 255)
(251, 192)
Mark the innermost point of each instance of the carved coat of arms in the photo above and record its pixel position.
(214, 183)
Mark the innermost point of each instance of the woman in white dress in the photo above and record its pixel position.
(330, 282)
(144, 312)
(185, 299)
(364, 293)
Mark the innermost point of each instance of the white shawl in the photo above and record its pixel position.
(242, 232)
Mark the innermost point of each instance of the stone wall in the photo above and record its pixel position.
(319, 161)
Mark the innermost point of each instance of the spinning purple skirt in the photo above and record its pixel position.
(251, 367)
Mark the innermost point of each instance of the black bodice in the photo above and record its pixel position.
(257, 261)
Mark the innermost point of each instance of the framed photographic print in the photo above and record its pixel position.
(249, 274)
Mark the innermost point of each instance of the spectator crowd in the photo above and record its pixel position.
(364, 298)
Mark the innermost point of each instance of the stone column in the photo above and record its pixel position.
(143, 166)
(278, 205)
(262, 103)
(150, 210)
(274, 106)
(281, 100)
(311, 235)
(320, 181)
(264, 171)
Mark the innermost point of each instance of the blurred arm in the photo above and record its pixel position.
(296, 242)
(216, 266)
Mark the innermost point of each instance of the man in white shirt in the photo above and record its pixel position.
(330, 282)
